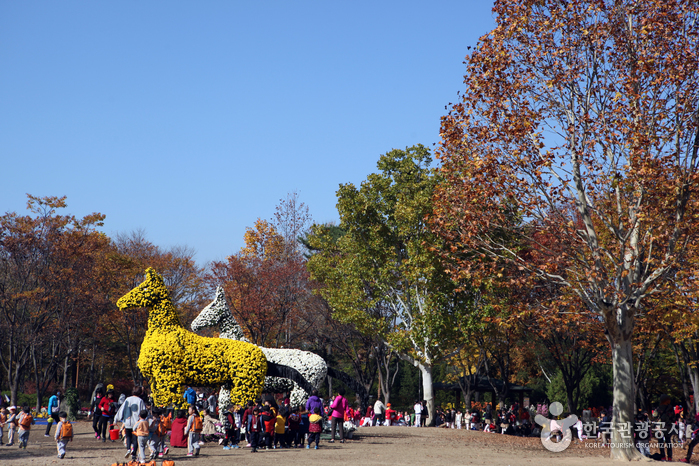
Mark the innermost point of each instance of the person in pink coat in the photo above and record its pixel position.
(337, 415)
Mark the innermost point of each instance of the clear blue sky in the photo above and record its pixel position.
(192, 119)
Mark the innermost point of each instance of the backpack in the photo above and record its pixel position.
(66, 431)
(197, 424)
(26, 422)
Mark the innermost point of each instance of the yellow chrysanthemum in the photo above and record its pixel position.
(171, 356)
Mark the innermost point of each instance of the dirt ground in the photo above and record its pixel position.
(370, 446)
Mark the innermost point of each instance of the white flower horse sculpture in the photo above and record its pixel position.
(309, 365)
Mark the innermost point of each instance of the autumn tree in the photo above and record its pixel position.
(46, 264)
(266, 282)
(582, 116)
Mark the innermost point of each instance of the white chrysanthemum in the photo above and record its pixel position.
(311, 366)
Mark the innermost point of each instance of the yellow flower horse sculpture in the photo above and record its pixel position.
(172, 356)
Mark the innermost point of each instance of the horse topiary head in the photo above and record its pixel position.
(213, 314)
(150, 292)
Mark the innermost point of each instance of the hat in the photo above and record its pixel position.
(12, 407)
(388, 404)
(110, 387)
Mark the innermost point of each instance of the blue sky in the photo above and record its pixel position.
(192, 119)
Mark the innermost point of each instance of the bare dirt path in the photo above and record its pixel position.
(371, 446)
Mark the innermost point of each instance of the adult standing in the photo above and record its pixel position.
(128, 415)
(337, 414)
(379, 413)
(212, 401)
(95, 408)
(418, 413)
(107, 407)
(313, 402)
(53, 410)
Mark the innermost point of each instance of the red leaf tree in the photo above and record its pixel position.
(579, 122)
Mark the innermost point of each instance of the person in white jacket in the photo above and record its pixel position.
(379, 413)
(128, 415)
(418, 413)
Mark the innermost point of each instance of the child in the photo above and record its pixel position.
(25, 426)
(164, 422)
(3, 420)
(294, 423)
(64, 433)
(459, 418)
(303, 431)
(142, 432)
(280, 429)
(254, 428)
(12, 423)
(314, 428)
(210, 424)
(390, 415)
(229, 427)
(269, 419)
(193, 429)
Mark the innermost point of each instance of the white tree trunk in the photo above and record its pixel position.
(624, 396)
(694, 379)
(428, 391)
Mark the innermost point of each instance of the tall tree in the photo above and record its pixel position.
(46, 262)
(382, 274)
(582, 116)
(267, 287)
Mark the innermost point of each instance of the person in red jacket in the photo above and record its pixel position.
(107, 407)
(269, 419)
(390, 414)
(177, 437)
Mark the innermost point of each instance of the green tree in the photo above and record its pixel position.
(384, 274)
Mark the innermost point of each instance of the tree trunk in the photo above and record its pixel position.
(569, 400)
(694, 379)
(65, 372)
(428, 391)
(467, 394)
(624, 397)
(427, 388)
(91, 379)
(13, 390)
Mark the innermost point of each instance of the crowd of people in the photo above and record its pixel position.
(271, 423)
(148, 432)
